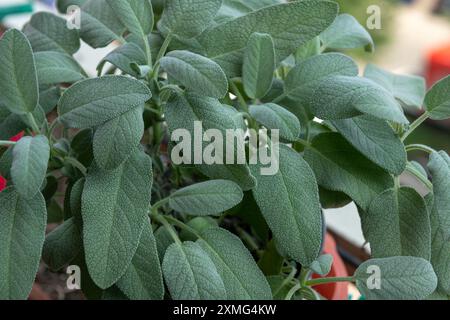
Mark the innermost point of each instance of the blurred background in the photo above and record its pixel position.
(414, 39)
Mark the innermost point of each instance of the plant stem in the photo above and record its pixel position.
(239, 96)
(148, 52)
(159, 204)
(419, 176)
(77, 164)
(169, 228)
(304, 142)
(33, 122)
(315, 282)
(415, 125)
(280, 98)
(161, 53)
(419, 147)
(4, 143)
(291, 292)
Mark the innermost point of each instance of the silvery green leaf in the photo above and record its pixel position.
(232, 9)
(401, 278)
(410, 90)
(18, 79)
(188, 18)
(197, 73)
(114, 209)
(338, 166)
(289, 202)
(397, 224)
(342, 97)
(99, 24)
(123, 57)
(308, 50)
(181, 112)
(346, 33)
(375, 139)
(29, 166)
(290, 25)
(62, 245)
(437, 100)
(439, 166)
(22, 234)
(322, 265)
(190, 274)
(136, 15)
(92, 102)
(272, 116)
(206, 198)
(143, 278)
(48, 32)
(258, 65)
(56, 67)
(241, 276)
(116, 139)
(304, 78)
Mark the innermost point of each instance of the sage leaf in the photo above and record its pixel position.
(439, 166)
(114, 210)
(18, 79)
(143, 278)
(410, 90)
(259, 65)
(56, 67)
(29, 166)
(397, 224)
(206, 198)
(163, 241)
(272, 116)
(322, 266)
(338, 166)
(346, 33)
(196, 73)
(289, 201)
(22, 234)
(289, 24)
(124, 57)
(181, 112)
(114, 96)
(303, 79)
(231, 9)
(62, 245)
(342, 97)
(437, 100)
(116, 139)
(241, 276)
(99, 24)
(190, 273)
(375, 139)
(188, 18)
(401, 278)
(136, 15)
(48, 32)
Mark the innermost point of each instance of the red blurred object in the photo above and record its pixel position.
(3, 181)
(333, 291)
(438, 64)
(17, 137)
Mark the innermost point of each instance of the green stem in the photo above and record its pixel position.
(148, 51)
(239, 96)
(33, 122)
(420, 177)
(162, 220)
(161, 54)
(182, 225)
(159, 204)
(280, 98)
(77, 164)
(415, 125)
(4, 143)
(291, 292)
(419, 147)
(315, 282)
(304, 142)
